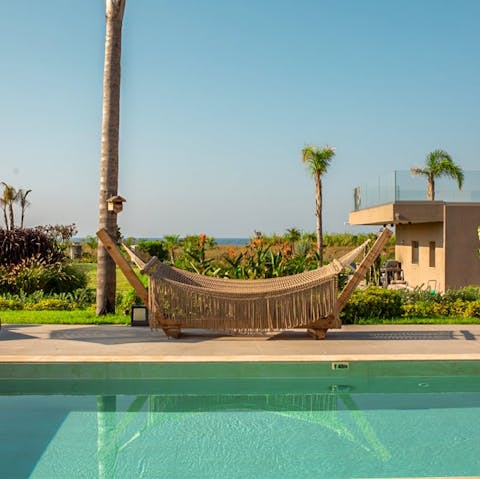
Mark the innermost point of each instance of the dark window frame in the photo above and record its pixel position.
(415, 252)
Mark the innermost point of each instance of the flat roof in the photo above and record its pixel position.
(405, 212)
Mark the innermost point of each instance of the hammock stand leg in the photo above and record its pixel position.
(172, 332)
(318, 329)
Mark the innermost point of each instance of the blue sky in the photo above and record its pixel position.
(218, 99)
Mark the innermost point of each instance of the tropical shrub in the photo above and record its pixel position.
(472, 309)
(31, 259)
(50, 304)
(127, 300)
(153, 248)
(373, 302)
(194, 256)
(39, 300)
(468, 293)
(19, 244)
(71, 279)
(10, 304)
(37, 273)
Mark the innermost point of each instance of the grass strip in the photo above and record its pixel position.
(89, 317)
(61, 317)
(450, 320)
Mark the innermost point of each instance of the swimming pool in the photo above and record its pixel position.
(240, 420)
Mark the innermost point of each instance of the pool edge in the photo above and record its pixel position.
(235, 358)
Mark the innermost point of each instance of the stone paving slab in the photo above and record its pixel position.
(63, 343)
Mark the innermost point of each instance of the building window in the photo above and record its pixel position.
(414, 252)
(431, 260)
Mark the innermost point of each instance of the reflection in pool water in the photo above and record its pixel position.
(249, 426)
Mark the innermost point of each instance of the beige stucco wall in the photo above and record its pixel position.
(462, 266)
(421, 274)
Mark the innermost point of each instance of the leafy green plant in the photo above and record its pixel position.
(472, 309)
(50, 304)
(154, 248)
(10, 304)
(37, 273)
(374, 302)
(127, 300)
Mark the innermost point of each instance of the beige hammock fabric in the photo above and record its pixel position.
(181, 299)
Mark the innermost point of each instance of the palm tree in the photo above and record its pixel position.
(439, 163)
(292, 235)
(24, 203)
(171, 242)
(106, 282)
(8, 199)
(318, 160)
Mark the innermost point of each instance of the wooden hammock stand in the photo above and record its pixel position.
(179, 299)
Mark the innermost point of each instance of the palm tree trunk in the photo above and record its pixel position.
(5, 217)
(431, 188)
(106, 281)
(12, 219)
(318, 212)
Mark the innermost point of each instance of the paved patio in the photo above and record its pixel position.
(47, 343)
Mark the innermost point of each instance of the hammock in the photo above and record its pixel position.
(182, 299)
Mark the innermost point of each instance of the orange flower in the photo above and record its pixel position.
(203, 238)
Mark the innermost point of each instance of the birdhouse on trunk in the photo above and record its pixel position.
(115, 203)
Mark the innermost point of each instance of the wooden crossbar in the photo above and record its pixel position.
(123, 264)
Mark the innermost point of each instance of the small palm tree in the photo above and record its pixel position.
(438, 163)
(318, 160)
(292, 235)
(171, 242)
(23, 202)
(8, 199)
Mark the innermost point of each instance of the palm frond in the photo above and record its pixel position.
(418, 171)
(318, 159)
(450, 169)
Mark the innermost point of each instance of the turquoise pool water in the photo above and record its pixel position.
(240, 420)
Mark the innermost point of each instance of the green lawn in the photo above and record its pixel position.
(88, 317)
(451, 320)
(90, 269)
(61, 317)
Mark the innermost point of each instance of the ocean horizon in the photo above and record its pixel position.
(219, 241)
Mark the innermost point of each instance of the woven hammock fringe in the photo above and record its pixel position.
(178, 304)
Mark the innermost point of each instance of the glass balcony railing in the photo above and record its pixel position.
(403, 186)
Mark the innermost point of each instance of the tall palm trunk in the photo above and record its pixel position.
(12, 217)
(5, 218)
(431, 187)
(106, 282)
(318, 212)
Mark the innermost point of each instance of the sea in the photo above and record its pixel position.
(219, 241)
